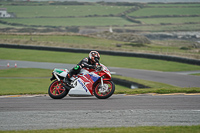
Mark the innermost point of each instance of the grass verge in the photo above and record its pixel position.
(155, 87)
(18, 81)
(24, 86)
(142, 129)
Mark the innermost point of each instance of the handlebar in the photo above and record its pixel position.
(99, 68)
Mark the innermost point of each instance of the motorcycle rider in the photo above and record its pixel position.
(89, 62)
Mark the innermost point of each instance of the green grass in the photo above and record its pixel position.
(64, 40)
(77, 41)
(66, 10)
(170, 20)
(141, 129)
(175, 5)
(162, 28)
(36, 81)
(21, 86)
(27, 13)
(112, 61)
(90, 21)
(166, 11)
(25, 72)
(17, 81)
(197, 74)
(155, 87)
(6, 26)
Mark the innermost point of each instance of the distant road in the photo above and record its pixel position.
(172, 78)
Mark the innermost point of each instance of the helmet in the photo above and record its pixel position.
(94, 56)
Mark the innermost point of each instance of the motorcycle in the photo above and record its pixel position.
(88, 82)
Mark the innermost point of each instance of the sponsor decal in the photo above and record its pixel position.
(84, 87)
(59, 71)
(95, 77)
(87, 76)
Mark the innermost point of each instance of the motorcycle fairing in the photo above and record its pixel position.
(89, 80)
(80, 89)
(84, 85)
(61, 72)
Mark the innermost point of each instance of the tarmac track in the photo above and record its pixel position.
(42, 112)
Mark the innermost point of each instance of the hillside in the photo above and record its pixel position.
(79, 17)
(132, 26)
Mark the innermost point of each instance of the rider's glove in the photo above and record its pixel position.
(82, 65)
(94, 66)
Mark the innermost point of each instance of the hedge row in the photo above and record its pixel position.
(115, 53)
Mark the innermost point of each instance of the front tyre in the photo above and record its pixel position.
(57, 90)
(105, 91)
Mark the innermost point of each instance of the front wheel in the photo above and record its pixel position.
(57, 90)
(105, 91)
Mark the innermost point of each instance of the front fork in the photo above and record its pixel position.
(102, 81)
(103, 88)
(56, 77)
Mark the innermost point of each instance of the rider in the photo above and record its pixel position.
(90, 62)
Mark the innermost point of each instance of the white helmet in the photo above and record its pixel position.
(94, 56)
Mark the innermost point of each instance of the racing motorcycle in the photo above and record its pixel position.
(88, 82)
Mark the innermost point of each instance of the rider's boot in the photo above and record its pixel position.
(67, 79)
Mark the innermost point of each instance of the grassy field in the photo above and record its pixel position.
(66, 10)
(85, 10)
(22, 86)
(168, 47)
(155, 87)
(37, 80)
(142, 129)
(165, 28)
(175, 5)
(92, 21)
(48, 15)
(61, 40)
(24, 81)
(166, 11)
(169, 20)
(25, 72)
(112, 61)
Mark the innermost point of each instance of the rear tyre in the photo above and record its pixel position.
(57, 90)
(106, 91)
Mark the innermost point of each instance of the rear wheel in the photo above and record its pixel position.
(57, 90)
(105, 91)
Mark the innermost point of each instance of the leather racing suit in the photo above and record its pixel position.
(84, 63)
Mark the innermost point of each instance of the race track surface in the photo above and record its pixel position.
(42, 112)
